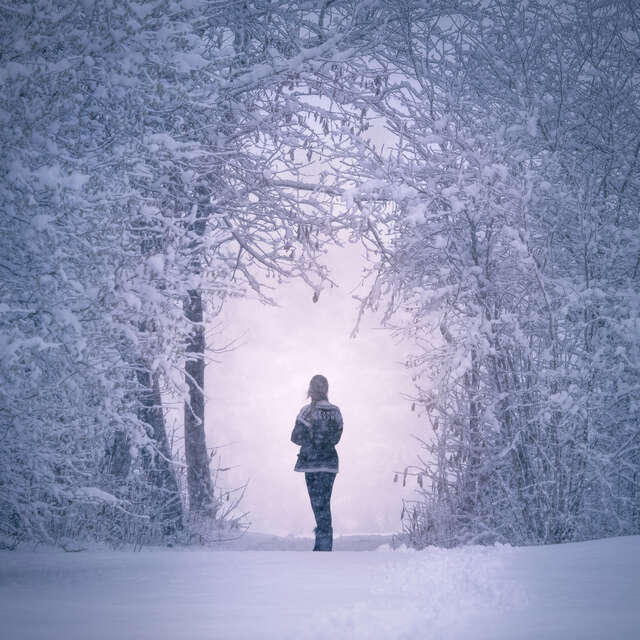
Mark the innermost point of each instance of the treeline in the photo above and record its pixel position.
(162, 156)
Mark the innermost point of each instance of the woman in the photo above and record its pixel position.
(317, 430)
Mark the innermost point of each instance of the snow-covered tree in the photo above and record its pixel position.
(151, 154)
(507, 198)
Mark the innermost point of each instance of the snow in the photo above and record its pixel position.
(53, 176)
(156, 264)
(189, 61)
(582, 590)
(96, 494)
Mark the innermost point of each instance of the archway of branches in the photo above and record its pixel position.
(484, 156)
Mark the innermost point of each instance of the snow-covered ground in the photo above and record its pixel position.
(572, 591)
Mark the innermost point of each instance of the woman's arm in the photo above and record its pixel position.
(336, 432)
(301, 433)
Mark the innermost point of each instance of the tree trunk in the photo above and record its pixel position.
(165, 495)
(198, 474)
(118, 457)
(199, 484)
(158, 466)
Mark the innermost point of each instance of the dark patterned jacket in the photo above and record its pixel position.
(317, 430)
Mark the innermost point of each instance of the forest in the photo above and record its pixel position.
(163, 157)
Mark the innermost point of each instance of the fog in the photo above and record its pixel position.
(256, 390)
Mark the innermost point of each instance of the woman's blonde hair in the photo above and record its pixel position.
(318, 388)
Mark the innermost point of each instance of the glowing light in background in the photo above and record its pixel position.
(256, 391)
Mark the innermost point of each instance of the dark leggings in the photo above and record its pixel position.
(320, 485)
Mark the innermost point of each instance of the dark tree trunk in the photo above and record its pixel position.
(198, 473)
(118, 456)
(199, 484)
(164, 493)
(158, 465)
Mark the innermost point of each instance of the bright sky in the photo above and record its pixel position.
(256, 391)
